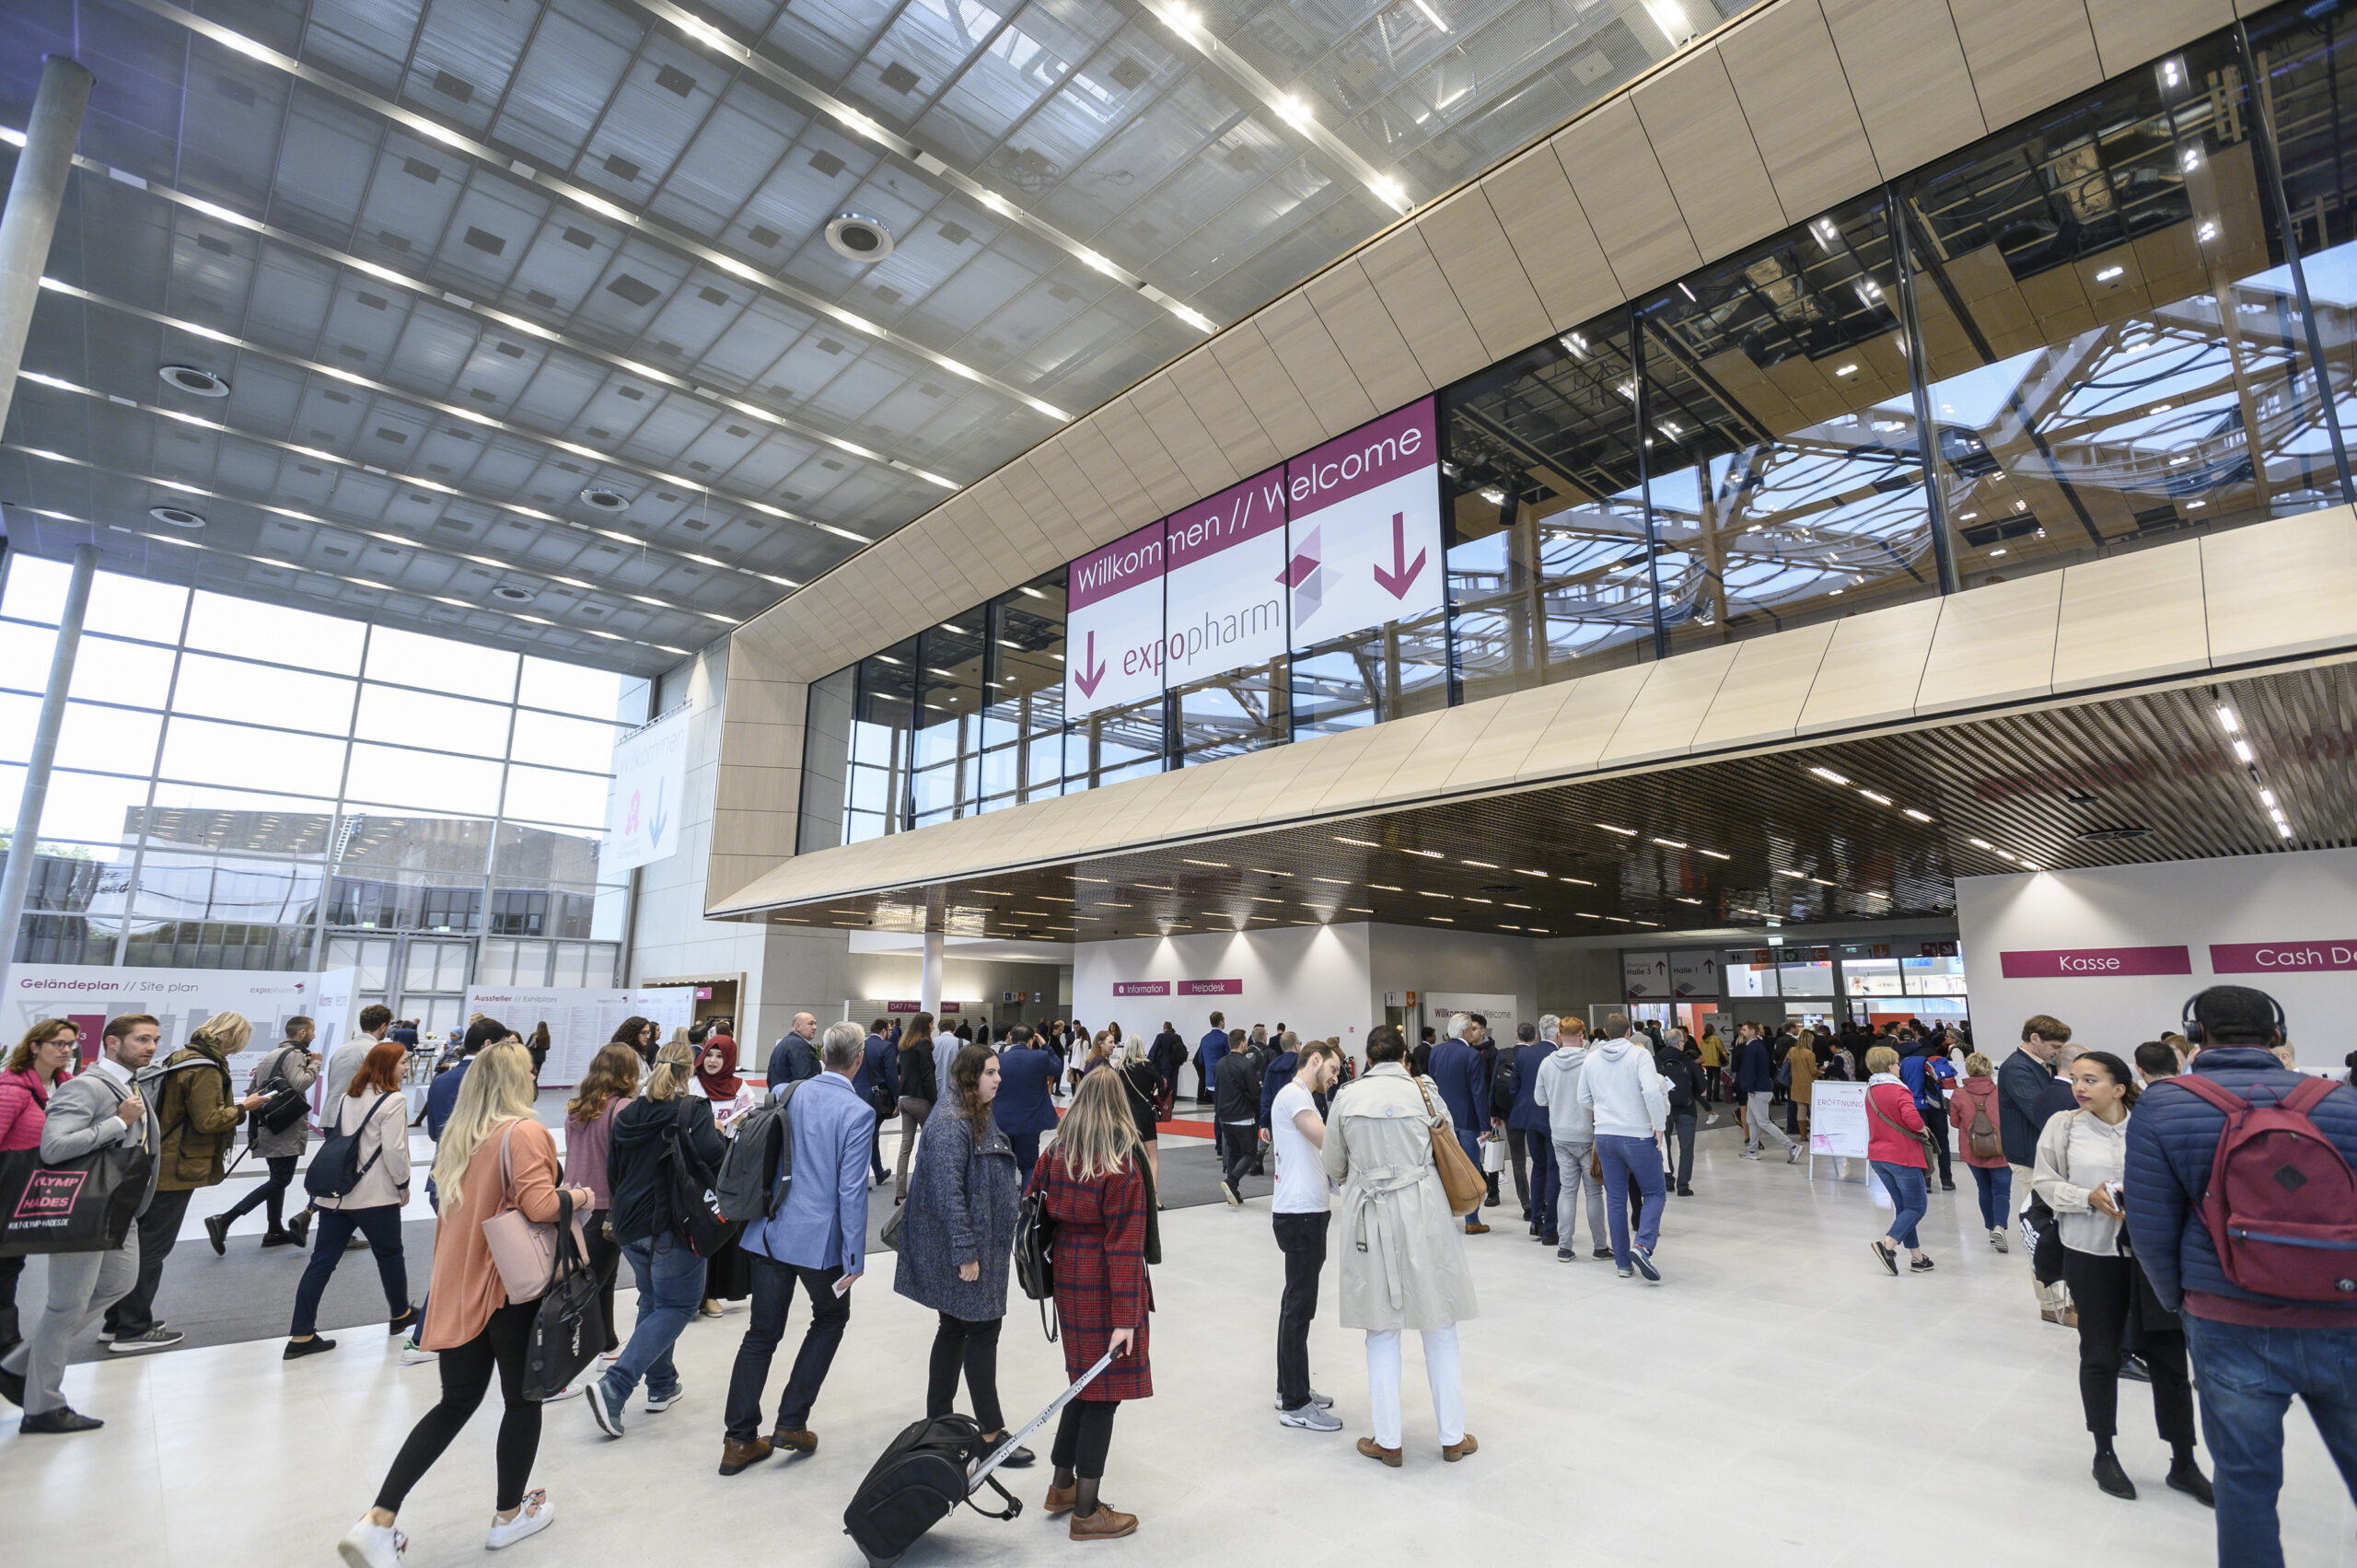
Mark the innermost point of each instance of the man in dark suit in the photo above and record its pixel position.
(795, 1058)
(880, 1068)
(1208, 1051)
(1458, 1074)
(1025, 1105)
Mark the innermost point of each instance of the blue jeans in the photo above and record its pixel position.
(1546, 1187)
(1908, 1195)
(2247, 1378)
(1626, 1159)
(1470, 1140)
(382, 1226)
(670, 1288)
(1996, 1190)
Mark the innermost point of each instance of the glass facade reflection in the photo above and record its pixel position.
(2129, 319)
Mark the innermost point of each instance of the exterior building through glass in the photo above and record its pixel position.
(2123, 320)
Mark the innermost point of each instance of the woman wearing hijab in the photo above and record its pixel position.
(727, 1275)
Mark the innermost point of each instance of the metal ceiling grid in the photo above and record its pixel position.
(1874, 828)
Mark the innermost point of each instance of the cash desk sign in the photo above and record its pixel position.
(2282, 957)
(2096, 963)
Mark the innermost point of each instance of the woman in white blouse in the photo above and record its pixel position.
(2081, 1163)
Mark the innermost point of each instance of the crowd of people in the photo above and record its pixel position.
(2124, 1174)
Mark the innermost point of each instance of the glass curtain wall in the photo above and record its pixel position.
(249, 785)
(2129, 319)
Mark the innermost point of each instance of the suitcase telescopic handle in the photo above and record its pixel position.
(1014, 1440)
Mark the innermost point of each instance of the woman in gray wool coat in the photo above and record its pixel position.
(957, 1239)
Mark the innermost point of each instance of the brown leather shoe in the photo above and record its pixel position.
(1455, 1451)
(1375, 1450)
(1475, 1228)
(1061, 1499)
(802, 1442)
(735, 1458)
(1106, 1523)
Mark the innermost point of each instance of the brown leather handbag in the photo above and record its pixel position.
(1459, 1176)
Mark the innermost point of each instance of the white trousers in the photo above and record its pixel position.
(1442, 1370)
(1761, 1119)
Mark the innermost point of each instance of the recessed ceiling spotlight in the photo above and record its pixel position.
(176, 517)
(612, 502)
(858, 238)
(190, 378)
(512, 595)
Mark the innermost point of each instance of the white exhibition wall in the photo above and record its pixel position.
(2115, 952)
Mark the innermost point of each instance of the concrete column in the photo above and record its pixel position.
(29, 220)
(929, 983)
(23, 843)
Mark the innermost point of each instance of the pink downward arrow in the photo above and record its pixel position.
(1403, 571)
(1088, 680)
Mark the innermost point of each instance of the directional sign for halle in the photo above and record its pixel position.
(1363, 539)
(1113, 624)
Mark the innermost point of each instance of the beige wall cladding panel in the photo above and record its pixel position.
(1906, 74)
(737, 830)
(2109, 631)
(1995, 645)
(1583, 727)
(1125, 426)
(975, 540)
(1783, 66)
(1472, 248)
(2025, 54)
(1456, 734)
(1872, 668)
(1260, 378)
(1189, 444)
(1207, 803)
(1362, 328)
(1052, 460)
(764, 703)
(1626, 197)
(1764, 691)
(1320, 373)
(1067, 535)
(1368, 780)
(1509, 739)
(2276, 589)
(1094, 454)
(959, 570)
(1257, 789)
(1533, 201)
(2129, 32)
(1017, 526)
(1331, 761)
(1670, 706)
(1208, 390)
(729, 876)
(1701, 137)
(1416, 292)
(758, 746)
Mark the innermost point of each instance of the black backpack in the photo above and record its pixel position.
(759, 1162)
(689, 1185)
(918, 1481)
(1679, 1072)
(337, 1169)
(1505, 1083)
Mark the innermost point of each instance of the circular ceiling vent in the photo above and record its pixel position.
(189, 378)
(606, 500)
(513, 594)
(857, 238)
(176, 517)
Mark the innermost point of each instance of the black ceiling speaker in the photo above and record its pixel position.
(857, 238)
(604, 500)
(512, 595)
(176, 517)
(190, 378)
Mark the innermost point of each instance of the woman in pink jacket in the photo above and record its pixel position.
(1894, 1146)
(35, 1066)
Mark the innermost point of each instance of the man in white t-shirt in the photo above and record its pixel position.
(1300, 1211)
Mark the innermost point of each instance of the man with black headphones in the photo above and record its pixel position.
(2263, 1322)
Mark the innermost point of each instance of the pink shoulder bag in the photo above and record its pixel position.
(522, 1251)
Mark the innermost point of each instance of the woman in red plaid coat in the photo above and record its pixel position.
(1096, 1194)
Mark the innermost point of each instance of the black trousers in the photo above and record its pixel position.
(1235, 1158)
(271, 1196)
(1935, 1118)
(1681, 1134)
(1302, 1238)
(1518, 1151)
(1084, 1436)
(160, 1229)
(971, 1345)
(773, 1286)
(2101, 1288)
(466, 1376)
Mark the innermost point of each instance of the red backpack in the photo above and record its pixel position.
(2281, 1207)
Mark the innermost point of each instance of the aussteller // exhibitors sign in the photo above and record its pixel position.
(1113, 624)
(1225, 595)
(1364, 540)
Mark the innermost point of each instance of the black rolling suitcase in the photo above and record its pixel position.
(928, 1469)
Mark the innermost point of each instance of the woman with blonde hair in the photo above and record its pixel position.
(1097, 1191)
(493, 1157)
(1142, 1083)
(590, 1115)
(1979, 1139)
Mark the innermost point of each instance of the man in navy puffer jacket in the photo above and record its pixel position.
(2251, 1352)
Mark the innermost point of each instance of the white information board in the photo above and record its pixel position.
(1363, 544)
(1113, 624)
(1644, 977)
(179, 1000)
(580, 1021)
(647, 798)
(1837, 1121)
(1224, 603)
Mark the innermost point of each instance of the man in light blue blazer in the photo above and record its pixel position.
(818, 1239)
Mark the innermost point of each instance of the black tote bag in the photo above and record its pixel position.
(81, 1205)
(568, 1330)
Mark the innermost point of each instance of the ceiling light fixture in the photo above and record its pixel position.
(1484, 864)
(191, 380)
(1669, 844)
(1829, 775)
(613, 503)
(1525, 871)
(1362, 844)
(1219, 865)
(1910, 811)
(1877, 798)
(1716, 854)
(176, 517)
(2243, 751)
(1624, 832)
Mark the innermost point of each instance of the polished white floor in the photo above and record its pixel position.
(1778, 1399)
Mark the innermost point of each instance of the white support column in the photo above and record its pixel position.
(23, 843)
(929, 983)
(29, 220)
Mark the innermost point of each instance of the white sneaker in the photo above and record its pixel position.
(1310, 1418)
(1791, 1154)
(537, 1513)
(1997, 1240)
(372, 1545)
(412, 1353)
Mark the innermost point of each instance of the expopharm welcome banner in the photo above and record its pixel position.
(1341, 539)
